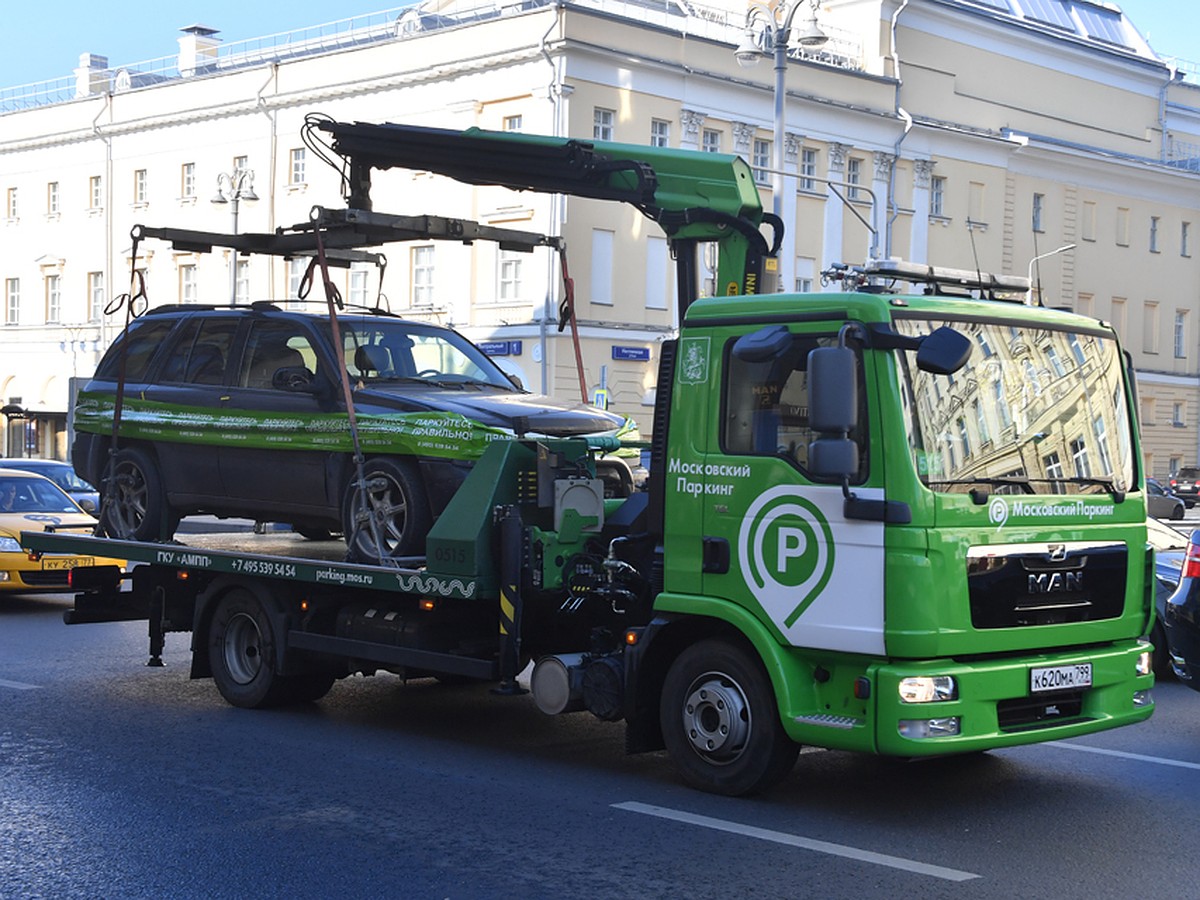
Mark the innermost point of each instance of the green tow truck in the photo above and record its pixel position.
(902, 516)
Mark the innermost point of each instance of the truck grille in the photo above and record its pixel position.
(1022, 713)
(1046, 584)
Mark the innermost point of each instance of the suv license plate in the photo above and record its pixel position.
(1060, 678)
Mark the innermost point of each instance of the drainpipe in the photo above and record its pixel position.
(908, 124)
(554, 91)
(272, 165)
(108, 204)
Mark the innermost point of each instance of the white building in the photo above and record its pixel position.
(970, 133)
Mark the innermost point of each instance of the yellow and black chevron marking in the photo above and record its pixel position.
(507, 609)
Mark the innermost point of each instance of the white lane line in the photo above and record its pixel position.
(793, 840)
(18, 685)
(1140, 757)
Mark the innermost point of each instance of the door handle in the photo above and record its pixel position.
(715, 556)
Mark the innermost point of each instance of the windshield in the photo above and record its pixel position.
(1034, 411)
(389, 350)
(33, 495)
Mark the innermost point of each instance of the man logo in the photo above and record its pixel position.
(786, 550)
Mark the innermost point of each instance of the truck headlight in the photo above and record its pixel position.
(928, 689)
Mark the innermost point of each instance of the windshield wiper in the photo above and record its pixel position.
(1109, 485)
(980, 497)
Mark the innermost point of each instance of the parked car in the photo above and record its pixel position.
(1181, 619)
(1161, 503)
(29, 502)
(1185, 484)
(1170, 550)
(239, 412)
(63, 474)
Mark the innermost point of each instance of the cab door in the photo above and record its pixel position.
(777, 536)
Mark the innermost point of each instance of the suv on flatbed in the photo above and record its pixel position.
(1185, 484)
(239, 411)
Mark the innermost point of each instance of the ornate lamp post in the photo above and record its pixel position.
(232, 189)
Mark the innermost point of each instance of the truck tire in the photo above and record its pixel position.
(241, 652)
(397, 502)
(134, 504)
(720, 721)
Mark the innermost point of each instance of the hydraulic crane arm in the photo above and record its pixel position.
(693, 196)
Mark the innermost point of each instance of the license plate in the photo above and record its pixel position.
(1060, 678)
(66, 562)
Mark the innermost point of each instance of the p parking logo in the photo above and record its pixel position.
(786, 550)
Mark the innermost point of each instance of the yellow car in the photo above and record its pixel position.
(30, 502)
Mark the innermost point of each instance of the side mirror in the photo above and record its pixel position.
(763, 345)
(516, 380)
(833, 411)
(943, 351)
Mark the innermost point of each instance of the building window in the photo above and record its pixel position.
(1083, 305)
(53, 299)
(422, 275)
(808, 169)
(12, 301)
(10, 203)
(96, 300)
(1118, 315)
(1177, 414)
(359, 284)
(937, 196)
(1054, 471)
(1150, 328)
(602, 266)
(658, 273)
(602, 123)
(187, 181)
(241, 282)
(1076, 349)
(1079, 458)
(1002, 409)
(296, 269)
(95, 193)
(52, 198)
(509, 274)
(964, 438)
(984, 345)
(1101, 433)
(710, 141)
(1039, 203)
(240, 164)
(188, 290)
(1185, 248)
(976, 201)
(139, 187)
(762, 161)
(296, 166)
(1149, 413)
(1055, 363)
(1181, 334)
(853, 177)
(660, 133)
(512, 123)
(981, 422)
(1154, 234)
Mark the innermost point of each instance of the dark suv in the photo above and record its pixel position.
(1185, 484)
(239, 412)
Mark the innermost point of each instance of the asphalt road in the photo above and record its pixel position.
(118, 780)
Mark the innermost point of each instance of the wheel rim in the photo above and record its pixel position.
(243, 648)
(129, 498)
(387, 508)
(716, 718)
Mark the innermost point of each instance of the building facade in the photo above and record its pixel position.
(1026, 137)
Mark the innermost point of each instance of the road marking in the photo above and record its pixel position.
(793, 840)
(1140, 757)
(18, 685)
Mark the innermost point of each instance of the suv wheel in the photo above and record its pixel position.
(393, 518)
(134, 505)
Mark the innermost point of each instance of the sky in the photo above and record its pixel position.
(45, 42)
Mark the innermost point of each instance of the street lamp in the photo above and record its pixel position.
(771, 27)
(1029, 291)
(232, 189)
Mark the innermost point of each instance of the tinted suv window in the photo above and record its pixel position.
(199, 352)
(145, 337)
(274, 345)
(1189, 473)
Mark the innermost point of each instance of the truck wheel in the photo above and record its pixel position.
(134, 506)
(720, 722)
(397, 504)
(241, 652)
